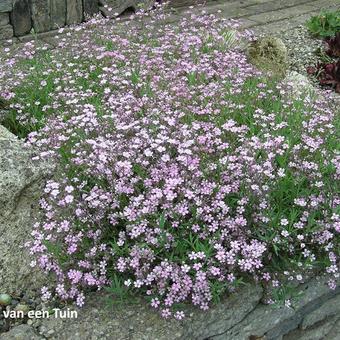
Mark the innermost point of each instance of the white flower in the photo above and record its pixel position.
(284, 221)
(127, 283)
(285, 233)
(69, 199)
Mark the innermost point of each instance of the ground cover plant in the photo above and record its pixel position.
(183, 172)
(325, 25)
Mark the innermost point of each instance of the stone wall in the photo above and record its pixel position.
(21, 17)
(6, 30)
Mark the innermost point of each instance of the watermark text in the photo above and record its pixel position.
(41, 314)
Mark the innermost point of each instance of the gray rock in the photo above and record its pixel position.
(322, 331)
(5, 6)
(40, 10)
(106, 13)
(335, 331)
(22, 308)
(100, 319)
(314, 294)
(90, 7)
(4, 19)
(21, 17)
(298, 85)
(74, 11)
(6, 32)
(275, 322)
(5, 299)
(21, 180)
(21, 332)
(257, 322)
(329, 308)
(58, 13)
(119, 6)
(222, 317)
(238, 316)
(145, 4)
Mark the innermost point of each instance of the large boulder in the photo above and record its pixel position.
(21, 181)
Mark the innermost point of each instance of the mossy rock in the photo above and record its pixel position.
(269, 54)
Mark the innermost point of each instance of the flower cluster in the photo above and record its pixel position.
(182, 169)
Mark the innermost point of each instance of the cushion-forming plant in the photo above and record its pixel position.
(183, 171)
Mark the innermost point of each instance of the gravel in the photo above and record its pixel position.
(305, 50)
(302, 48)
(24, 303)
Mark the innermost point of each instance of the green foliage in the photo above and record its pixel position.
(287, 293)
(57, 251)
(122, 294)
(326, 24)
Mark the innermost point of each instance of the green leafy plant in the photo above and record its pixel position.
(120, 292)
(324, 25)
